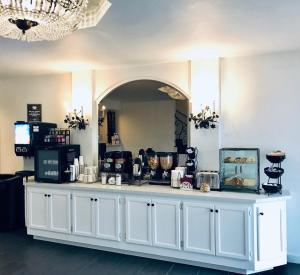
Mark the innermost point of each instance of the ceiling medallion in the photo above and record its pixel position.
(171, 92)
(37, 20)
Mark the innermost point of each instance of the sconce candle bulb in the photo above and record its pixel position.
(101, 116)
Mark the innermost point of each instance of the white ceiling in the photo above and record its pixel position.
(135, 32)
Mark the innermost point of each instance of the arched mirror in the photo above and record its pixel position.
(141, 115)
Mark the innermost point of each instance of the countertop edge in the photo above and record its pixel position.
(165, 192)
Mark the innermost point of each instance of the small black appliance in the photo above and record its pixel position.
(109, 162)
(123, 162)
(52, 162)
(28, 136)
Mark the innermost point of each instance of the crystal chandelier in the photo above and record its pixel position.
(35, 20)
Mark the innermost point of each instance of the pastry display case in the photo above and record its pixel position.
(239, 169)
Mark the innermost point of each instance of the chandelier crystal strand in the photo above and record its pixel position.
(34, 20)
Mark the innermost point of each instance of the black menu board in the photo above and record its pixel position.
(34, 112)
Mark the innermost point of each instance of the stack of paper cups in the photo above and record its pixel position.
(81, 165)
(76, 163)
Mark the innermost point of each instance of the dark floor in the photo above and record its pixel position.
(20, 255)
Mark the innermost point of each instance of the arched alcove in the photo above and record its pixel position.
(111, 88)
(142, 110)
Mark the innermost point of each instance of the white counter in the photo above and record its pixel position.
(230, 231)
(166, 191)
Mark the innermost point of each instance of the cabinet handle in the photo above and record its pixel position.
(211, 210)
(92, 199)
(261, 213)
(96, 199)
(49, 196)
(217, 211)
(45, 195)
(148, 204)
(152, 204)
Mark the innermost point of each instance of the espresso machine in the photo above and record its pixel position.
(118, 162)
(109, 162)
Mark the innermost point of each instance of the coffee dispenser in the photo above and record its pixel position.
(153, 163)
(123, 162)
(109, 162)
(166, 163)
(191, 162)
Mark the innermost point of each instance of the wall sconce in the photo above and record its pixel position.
(101, 116)
(76, 120)
(205, 119)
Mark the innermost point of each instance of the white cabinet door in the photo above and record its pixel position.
(271, 231)
(107, 217)
(59, 211)
(166, 223)
(38, 208)
(232, 231)
(83, 214)
(198, 228)
(138, 220)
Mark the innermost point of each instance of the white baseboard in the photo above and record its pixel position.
(293, 258)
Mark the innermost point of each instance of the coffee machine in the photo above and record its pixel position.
(109, 162)
(118, 162)
(191, 162)
(123, 162)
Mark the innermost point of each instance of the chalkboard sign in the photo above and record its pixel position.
(34, 112)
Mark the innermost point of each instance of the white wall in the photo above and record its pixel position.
(83, 98)
(205, 90)
(147, 124)
(52, 91)
(260, 108)
(199, 80)
(177, 74)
